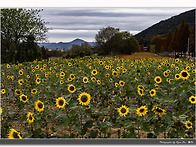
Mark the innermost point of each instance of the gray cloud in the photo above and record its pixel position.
(70, 23)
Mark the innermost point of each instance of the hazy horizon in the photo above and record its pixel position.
(84, 23)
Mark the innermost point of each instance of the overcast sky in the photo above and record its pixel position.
(68, 24)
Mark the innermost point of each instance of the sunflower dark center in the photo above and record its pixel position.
(72, 76)
(123, 110)
(15, 135)
(159, 110)
(40, 105)
(189, 124)
(30, 117)
(61, 102)
(184, 74)
(152, 92)
(71, 88)
(18, 92)
(158, 79)
(84, 98)
(142, 110)
(24, 98)
(192, 99)
(141, 91)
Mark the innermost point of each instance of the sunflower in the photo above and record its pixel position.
(60, 102)
(34, 91)
(20, 72)
(188, 68)
(84, 98)
(184, 74)
(20, 82)
(158, 110)
(71, 88)
(177, 60)
(23, 98)
(1, 113)
(140, 87)
(69, 79)
(158, 79)
(38, 81)
(116, 84)
(88, 107)
(93, 79)
(123, 110)
(61, 82)
(114, 73)
(166, 74)
(72, 76)
(177, 76)
(13, 134)
(3, 91)
(188, 125)
(37, 66)
(8, 66)
(142, 111)
(107, 75)
(62, 74)
(157, 86)
(177, 68)
(98, 82)
(121, 83)
(152, 92)
(39, 106)
(85, 80)
(30, 117)
(192, 99)
(18, 92)
(94, 72)
(140, 91)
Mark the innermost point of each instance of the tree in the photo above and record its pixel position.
(168, 41)
(17, 25)
(192, 41)
(103, 36)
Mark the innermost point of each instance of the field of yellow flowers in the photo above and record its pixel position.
(98, 97)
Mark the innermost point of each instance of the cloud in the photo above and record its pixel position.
(71, 23)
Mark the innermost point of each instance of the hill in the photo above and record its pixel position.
(63, 45)
(163, 26)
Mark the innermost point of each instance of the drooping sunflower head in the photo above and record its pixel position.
(188, 125)
(158, 110)
(84, 98)
(71, 88)
(142, 111)
(123, 110)
(39, 106)
(85, 80)
(152, 92)
(60, 102)
(13, 134)
(192, 99)
(23, 98)
(158, 79)
(184, 74)
(30, 117)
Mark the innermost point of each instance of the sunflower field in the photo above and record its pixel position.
(98, 97)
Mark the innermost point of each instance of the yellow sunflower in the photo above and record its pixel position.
(20, 82)
(71, 88)
(188, 125)
(177, 76)
(114, 73)
(158, 79)
(123, 110)
(85, 80)
(152, 92)
(3, 91)
(39, 106)
(23, 98)
(184, 74)
(38, 81)
(18, 92)
(158, 110)
(141, 111)
(94, 72)
(72, 76)
(192, 99)
(30, 117)
(20, 72)
(34, 91)
(60, 102)
(61, 82)
(121, 83)
(93, 79)
(13, 134)
(84, 98)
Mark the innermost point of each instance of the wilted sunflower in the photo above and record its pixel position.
(85, 80)
(140, 91)
(188, 125)
(142, 111)
(39, 106)
(121, 83)
(60, 102)
(158, 110)
(23, 98)
(71, 88)
(3, 91)
(158, 79)
(30, 117)
(20, 82)
(18, 92)
(38, 81)
(13, 134)
(94, 72)
(184, 74)
(192, 99)
(123, 110)
(34, 91)
(84, 98)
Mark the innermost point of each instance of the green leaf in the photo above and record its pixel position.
(59, 125)
(93, 134)
(23, 118)
(66, 122)
(88, 124)
(145, 127)
(27, 135)
(77, 128)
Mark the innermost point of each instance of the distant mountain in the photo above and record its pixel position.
(64, 45)
(162, 28)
